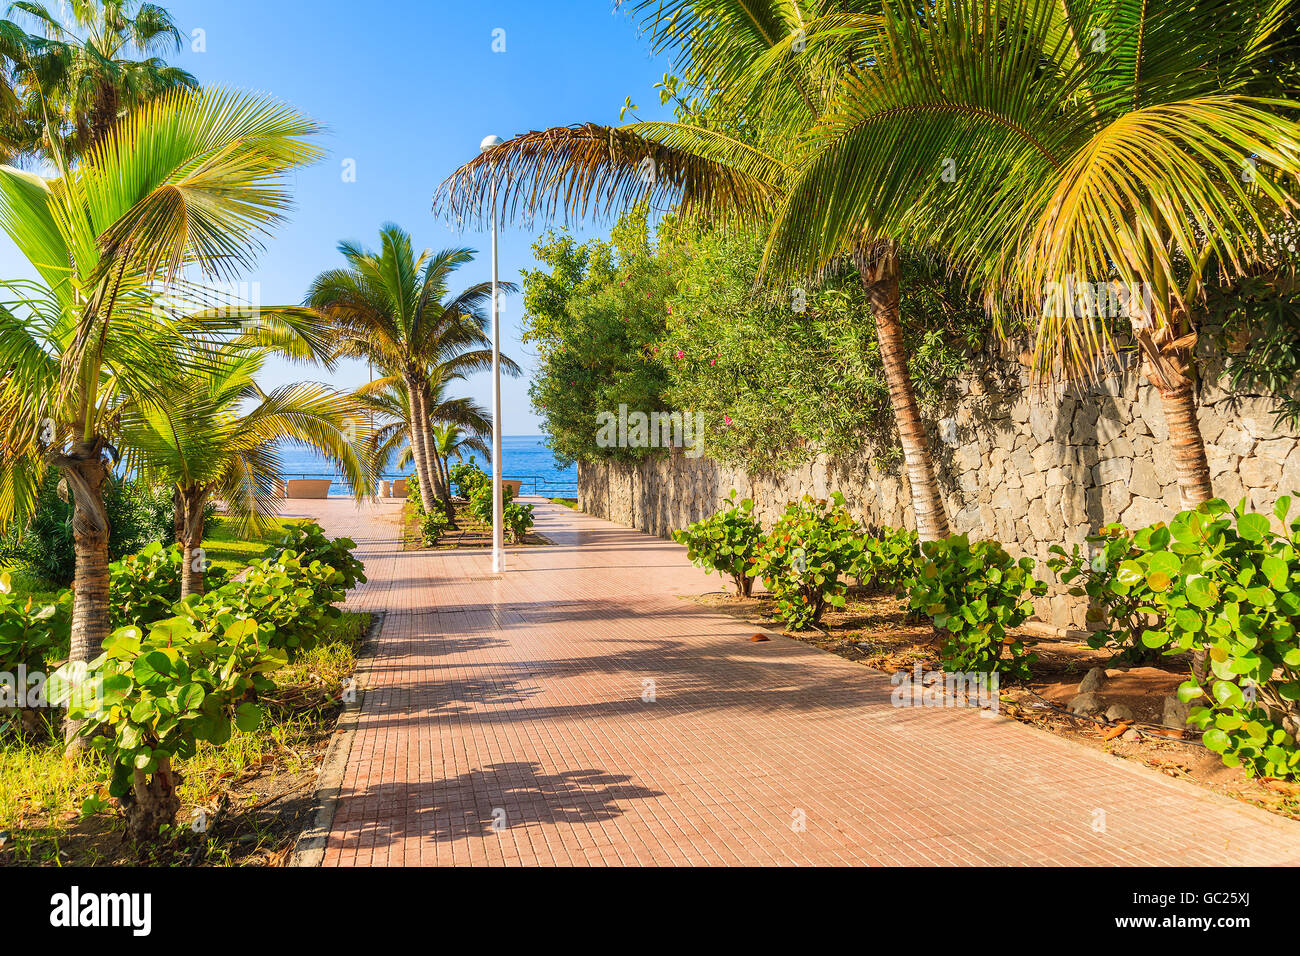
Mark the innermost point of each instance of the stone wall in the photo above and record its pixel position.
(1030, 468)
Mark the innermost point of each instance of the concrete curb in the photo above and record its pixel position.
(309, 848)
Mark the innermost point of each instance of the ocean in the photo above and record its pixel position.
(525, 457)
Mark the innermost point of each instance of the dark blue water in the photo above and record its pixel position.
(525, 457)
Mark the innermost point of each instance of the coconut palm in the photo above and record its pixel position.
(388, 398)
(734, 152)
(89, 69)
(450, 440)
(394, 309)
(206, 441)
(189, 183)
(1136, 149)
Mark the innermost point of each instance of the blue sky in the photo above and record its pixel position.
(408, 89)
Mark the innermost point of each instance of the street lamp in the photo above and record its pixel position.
(498, 549)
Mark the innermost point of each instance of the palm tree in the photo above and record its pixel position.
(454, 423)
(84, 75)
(1139, 149)
(207, 442)
(393, 309)
(192, 181)
(763, 96)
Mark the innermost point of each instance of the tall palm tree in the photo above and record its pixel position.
(206, 441)
(734, 152)
(451, 440)
(191, 181)
(89, 69)
(394, 309)
(1139, 148)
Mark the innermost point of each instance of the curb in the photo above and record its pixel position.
(309, 848)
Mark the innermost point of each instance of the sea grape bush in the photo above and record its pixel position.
(517, 520)
(977, 594)
(294, 599)
(728, 541)
(890, 559)
(1226, 587)
(153, 696)
(29, 633)
(143, 587)
(308, 542)
(807, 557)
(466, 476)
(1121, 604)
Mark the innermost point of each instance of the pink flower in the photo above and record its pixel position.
(656, 350)
(680, 354)
(726, 419)
(670, 310)
(713, 361)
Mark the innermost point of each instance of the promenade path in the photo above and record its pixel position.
(577, 710)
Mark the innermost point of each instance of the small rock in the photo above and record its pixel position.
(1093, 681)
(1176, 712)
(1131, 735)
(4, 837)
(1085, 705)
(1117, 712)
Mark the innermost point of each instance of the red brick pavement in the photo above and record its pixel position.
(503, 722)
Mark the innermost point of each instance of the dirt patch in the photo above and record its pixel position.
(875, 629)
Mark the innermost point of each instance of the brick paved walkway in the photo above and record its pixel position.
(503, 722)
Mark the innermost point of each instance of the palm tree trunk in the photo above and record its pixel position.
(418, 435)
(189, 535)
(880, 278)
(1188, 446)
(431, 459)
(85, 472)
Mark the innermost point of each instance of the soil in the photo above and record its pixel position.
(876, 630)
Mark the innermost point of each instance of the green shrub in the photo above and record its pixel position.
(976, 594)
(138, 515)
(728, 541)
(29, 634)
(308, 542)
(294, 599)
(807, 555)
(143, 587)
(1120, 603)
(466, 476)
(890, 560)
(152, 696)
(1227, 586)
(433, 526)
(517, 521)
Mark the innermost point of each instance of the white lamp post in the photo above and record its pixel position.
(498, 537)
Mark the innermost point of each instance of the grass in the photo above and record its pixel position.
(41, 792)
(567, 502)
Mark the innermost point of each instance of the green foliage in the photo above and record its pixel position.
(1258, 319)
(1120, 602)
(137, 514)
(977, 594)
(143, 587)
(728, 541)
(807, 557)
(517, 520)
(433, 526)
(308, 542)
(676, 324)
(890, 560)
(158, 691)
(595, 315)
(1222, 583)
(292, 597)
(154, 695)
(413, 498)
(29, 632)
(466, 476)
